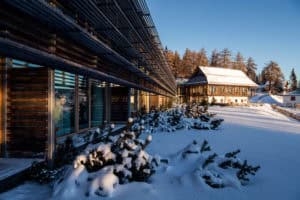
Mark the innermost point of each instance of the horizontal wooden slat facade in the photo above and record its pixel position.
(197, 93)
(47, 40)
(2, 100)
(41, 38)
(28, 30)
(27, 111)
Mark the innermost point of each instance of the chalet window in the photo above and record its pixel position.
(83, 102)
(243, 91)
(64, 108)
(201, 90)
(293, 98)
(97, 103)
(212, 89)
(236, 90)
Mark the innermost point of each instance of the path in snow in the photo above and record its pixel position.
(265, 137)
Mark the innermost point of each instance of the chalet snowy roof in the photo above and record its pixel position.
(220, 76)
(180, 81)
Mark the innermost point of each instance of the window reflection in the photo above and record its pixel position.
(64, 108)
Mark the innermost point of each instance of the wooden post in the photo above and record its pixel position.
(107, 102)
(76, 105)
(51, 129)
(129, 102)
(135, 100)
(90, 101)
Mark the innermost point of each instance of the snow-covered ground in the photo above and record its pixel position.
(265, 137)
(11, 166)
(264, 98)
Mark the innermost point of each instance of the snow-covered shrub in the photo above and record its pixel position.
(65, 152)
(117, 160)
(217, 171)
(126, 153)
(185, 116)
(104, 184)
(42, 173)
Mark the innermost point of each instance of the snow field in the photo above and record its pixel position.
(264, 137)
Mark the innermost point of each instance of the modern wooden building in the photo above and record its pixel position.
(216, 85)
(66, 66)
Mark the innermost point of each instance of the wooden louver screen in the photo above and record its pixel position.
(27, 111)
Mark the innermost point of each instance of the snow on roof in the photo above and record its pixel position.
(293, 93)
(224, 76)
(181, 80)
(297, 91)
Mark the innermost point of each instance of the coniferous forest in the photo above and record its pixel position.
(271, 74)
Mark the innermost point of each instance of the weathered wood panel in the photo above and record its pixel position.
(2, 72)
(27, 111)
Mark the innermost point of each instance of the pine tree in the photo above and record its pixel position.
(187, 64)
(202, 59)
(260, 79)
(170, 57)
(273, 75)
(225, 59)
(195, 64)
(214, 59)
(176, 63)
(239, 63)
(293, 80)
(251, 68)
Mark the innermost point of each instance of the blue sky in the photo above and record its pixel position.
(264, 29)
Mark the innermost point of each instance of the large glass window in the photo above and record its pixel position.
(83, 102)
(64, 109)
(97, 103)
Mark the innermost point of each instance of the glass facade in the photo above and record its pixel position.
(97, 103)
(64, 108)
(80, 103)
(83, 102)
